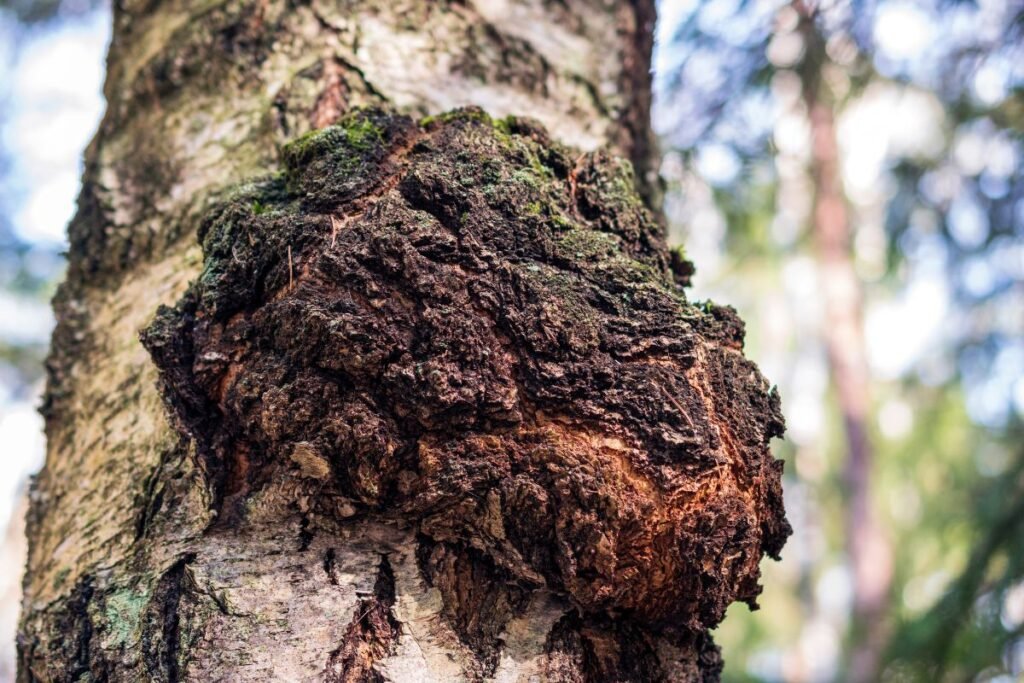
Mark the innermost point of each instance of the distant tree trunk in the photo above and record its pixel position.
(843, 330)
(428, 404)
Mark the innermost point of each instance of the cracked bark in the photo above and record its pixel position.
(427, 403)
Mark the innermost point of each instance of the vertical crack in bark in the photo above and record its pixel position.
(80, 631)
(636, 25)
(74, 650)
(330, 566)
(371, 636)
(161, 631)
(479, 598)
(587, 652)
(306, 533)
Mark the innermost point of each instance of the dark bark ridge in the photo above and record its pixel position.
(465, 326)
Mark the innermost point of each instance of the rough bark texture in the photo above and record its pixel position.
(438, 408)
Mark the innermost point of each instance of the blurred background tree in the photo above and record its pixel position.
(846, 174)
(51, 68)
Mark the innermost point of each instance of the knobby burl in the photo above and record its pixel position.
(465, 325)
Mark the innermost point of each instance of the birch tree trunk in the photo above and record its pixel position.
(867, 547)
(427, 403)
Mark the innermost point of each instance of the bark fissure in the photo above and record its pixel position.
(479, 598)
(161, 641)
(370, 636)
(81, 631)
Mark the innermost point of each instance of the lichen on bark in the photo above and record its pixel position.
(464, 326)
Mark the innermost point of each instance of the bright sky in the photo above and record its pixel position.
(55, 103)
(50, 104)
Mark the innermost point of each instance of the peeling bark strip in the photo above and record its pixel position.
(469, 328)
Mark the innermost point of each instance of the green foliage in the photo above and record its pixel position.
(946, 484)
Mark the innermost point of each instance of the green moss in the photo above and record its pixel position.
(353, 136)
(336, 163)
(567, 306)
(463, 114)
(604, 250)
(561, 222)
(123, 613)
(614, 181)
(301, 147)
(504, 125)
(526, 177)
(539, 167)
(363, 134)
(332, 143)
(588, 245)
(490, 172)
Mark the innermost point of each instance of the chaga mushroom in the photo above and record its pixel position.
(464, 325)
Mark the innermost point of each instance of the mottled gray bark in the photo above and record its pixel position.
(435, 407)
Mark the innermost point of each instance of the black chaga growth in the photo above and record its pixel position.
(466, 325)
